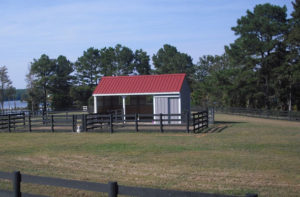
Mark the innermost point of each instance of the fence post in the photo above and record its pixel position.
(17, 184)
(161, 122)
(99, 119)
(207, 119)
(9, 123)
(44, 118)
(83, 118)
(82, 122)
(85, 122)
(202, 120)
(194, 126)
(52, 123)
(113, 189)
(111, 123)
(73, 123)
(23, 118)
(187, 121)
(29, 122)
(136, 123)
(13, 120)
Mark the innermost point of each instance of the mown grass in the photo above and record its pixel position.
(250, 156)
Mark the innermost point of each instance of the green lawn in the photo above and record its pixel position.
(250, 155)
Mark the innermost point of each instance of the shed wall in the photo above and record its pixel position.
(185, 97)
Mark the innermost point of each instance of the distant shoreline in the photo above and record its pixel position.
(14, 104)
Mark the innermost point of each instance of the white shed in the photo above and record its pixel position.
(144, 94)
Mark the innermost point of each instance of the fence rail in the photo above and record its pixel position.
(200, 120)
(262, 113)
(12, 121)
(187, 122)
(112, 188)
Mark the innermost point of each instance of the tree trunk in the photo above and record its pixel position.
(2, 98)
(45, 100)
(267, 101)
(290, 98)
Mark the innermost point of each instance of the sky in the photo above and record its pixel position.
(30, 28)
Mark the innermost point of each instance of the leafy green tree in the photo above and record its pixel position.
(61, 82)
(259, 46)
(202, 88)
(20, 93)
(42, 70)
(214, 81)
(141, 62)
(108, 61)
(169, 60)
(34, 94)
(81, 94)
(88, 67)
(117, 61)
(203, 67)
(124, 60)
(5, 85)
(11, 93)
(289, 75)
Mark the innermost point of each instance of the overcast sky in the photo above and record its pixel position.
(31, 28)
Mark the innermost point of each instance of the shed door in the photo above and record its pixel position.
(173, 109)
(167, 105)
(161, 105)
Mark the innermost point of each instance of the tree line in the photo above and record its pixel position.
(260, 69)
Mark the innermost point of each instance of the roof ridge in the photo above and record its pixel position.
(159, 75)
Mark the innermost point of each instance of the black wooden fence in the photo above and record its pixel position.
(12, 121)
(112, 188)
(200, 120)
(262, 113)
(21, 122)
(187, 122)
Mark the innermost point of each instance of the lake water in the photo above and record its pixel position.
(13, 104)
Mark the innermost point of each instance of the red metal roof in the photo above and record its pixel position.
(140, 84)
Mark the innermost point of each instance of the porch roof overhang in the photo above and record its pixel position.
(139, 94)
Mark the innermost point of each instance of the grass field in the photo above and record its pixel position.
(250, 155)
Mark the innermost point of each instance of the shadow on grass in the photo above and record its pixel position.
(214, 129)
(219, 126)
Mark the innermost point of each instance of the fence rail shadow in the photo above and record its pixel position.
(112, 188)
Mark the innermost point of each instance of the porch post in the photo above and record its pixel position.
(95, 105)
(179, 107)
(124, 106)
